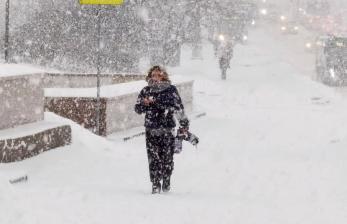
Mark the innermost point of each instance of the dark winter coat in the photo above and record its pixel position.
(167, 104)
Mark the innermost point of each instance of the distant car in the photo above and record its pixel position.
(290, 28)
(331, 60)
(241, 37)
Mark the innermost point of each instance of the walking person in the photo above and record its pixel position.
(225, 56)
(161, 104)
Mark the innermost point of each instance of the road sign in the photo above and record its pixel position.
(101, 2)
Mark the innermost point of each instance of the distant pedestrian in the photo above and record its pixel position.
(225, 54)
(161, 104)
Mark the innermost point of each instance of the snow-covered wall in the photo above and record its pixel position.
(32, 139)
(117, 104)
(22, 99)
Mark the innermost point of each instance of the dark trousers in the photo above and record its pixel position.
(160, 151)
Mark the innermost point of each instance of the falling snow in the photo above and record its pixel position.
(251, 120)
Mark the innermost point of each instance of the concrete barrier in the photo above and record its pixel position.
(21, 98)
(117, 104)
(23, 133)
(32, 139)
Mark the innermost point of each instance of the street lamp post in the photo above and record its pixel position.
(99, 3)
(98, 72)
(7, 29)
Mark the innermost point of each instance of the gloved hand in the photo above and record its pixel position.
(184, 134)
(184, 123)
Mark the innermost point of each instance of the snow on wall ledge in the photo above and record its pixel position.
(28, 140)
(21, 96)
(69, 80)
(10, 70)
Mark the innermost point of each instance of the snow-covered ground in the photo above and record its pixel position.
(273, 150)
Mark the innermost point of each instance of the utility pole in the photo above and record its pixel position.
(7, 29)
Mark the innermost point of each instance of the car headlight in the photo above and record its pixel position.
(296, 28)
(263, 11)
(308, 45)
(332, 72)
(221, 37)
(245, 37)
(283, 28)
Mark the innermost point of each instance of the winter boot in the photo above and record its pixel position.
(156, 188)
(166, 184)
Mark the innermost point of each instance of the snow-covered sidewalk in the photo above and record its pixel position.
(273, 150)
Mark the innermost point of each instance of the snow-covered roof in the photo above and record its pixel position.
(18, 69)
(106, 91)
